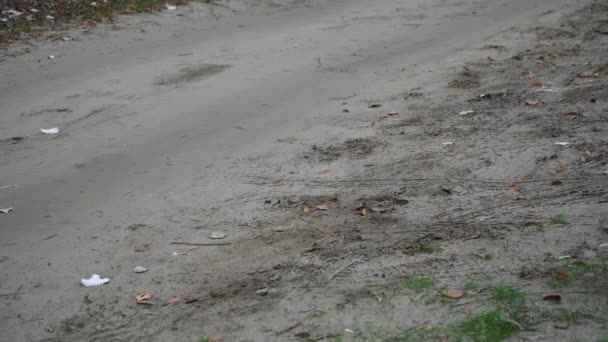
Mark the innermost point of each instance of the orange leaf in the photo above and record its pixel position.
(562, 170)
(324, 171)
(142, 297)
(306, 210)
(392, 113)
(536, 85)
(175, 300)
(598, 70)
(514, 187)
(455, 294)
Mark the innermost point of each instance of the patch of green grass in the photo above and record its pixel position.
(510, 299)
(417, 284)
(559, 219)
(424, 247)
(574, 271)
(540, 228)
(602, 339)
(203, 339)
(471, 284)
(489, 327)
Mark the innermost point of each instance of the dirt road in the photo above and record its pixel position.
(324, 138)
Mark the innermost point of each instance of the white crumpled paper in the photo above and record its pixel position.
(95, 280)
(6, 210)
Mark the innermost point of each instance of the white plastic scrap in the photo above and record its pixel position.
(95, 280)
(53, 130)
(466, 112)
(177, 253)
(170, 7)
(67, 39)
(6, 210)
(217, 235)
(447, 143)
(564, 257)
(349, 331)
(562, 143)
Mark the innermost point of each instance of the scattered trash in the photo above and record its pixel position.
(447, 143)
(217, 235)
(349, 331)
(262, 292)
(564, 257)
(53, 130)
(324, 171)
(532, 103)
(466, 112)
(553, 298)
(170, 7)
(455, 294)
(143, 247)
(142, 298)
(322, 207)
(95, 280)
(562, 143)
(6, 210)
(140, 269)
(175, 300)
(178, 253)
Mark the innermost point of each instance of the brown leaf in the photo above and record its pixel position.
(363, 211)
(553, 298)
(514, 187)
(143, 297)
(532, 103)
(375, 105)
(175, 300)
(536, 85)
(414, 264)
(216, 338)
(277, 181)
(306, 210)
(598, 71)
(455, 294)
(322, 207)
(561, 274)
(143, 247)
(392, 113)
(556, 183)
(575, 115)
(562, 169)
(324, 171)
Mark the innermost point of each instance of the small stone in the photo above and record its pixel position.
(140, 269)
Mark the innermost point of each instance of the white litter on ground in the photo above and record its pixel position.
(53, 130)
(95, 280)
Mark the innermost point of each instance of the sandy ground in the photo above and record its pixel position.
(269, 121)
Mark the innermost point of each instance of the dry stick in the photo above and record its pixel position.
(201, 244)
(343, 269)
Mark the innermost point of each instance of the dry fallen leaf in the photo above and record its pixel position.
(363, 211)
(322, 207)
(455, 294)
(514, 187)
(553, 298)
(277, 181)
(536, 85)
(598, 71)
(143, 247)
(561, 275)
(392, 113)
(324, 171)
(306, 210)
(216, 338)
(142, 297)
(562, 169)
(532, 103)
(175, 300)
(557, 182)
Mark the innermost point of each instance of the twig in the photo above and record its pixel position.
(14, 294)
(49, 237)
(342, 269)
(201, 243)
(514, 323)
